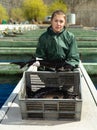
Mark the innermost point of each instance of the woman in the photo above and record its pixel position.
(57, 44)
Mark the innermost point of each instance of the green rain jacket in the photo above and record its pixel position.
(58, 46)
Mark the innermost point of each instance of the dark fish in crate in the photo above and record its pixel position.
(58, 65)
(52, 93)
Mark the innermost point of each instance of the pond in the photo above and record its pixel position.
(7, 85)
(15, 57)
(91, 57)
(94, 80)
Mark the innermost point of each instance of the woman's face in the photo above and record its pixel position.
(58, 22)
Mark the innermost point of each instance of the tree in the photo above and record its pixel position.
(3, 13)
(72, 5)
(58, 4)
(14, 12)
(34, 9)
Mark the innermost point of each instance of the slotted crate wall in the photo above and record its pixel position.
(48, 108)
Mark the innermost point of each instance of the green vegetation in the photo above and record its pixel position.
(17, 14)
(58, 4)
(3, 13)
(34, 9)
(37, 10)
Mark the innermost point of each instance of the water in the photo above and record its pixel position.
(15, 58)
(5, 90)
(94, 80)
(91, 57)
(7, 85)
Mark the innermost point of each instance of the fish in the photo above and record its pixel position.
(58, 65)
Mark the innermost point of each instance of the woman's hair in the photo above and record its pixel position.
(58, 12)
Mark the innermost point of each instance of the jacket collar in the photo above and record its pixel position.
(51, 32)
